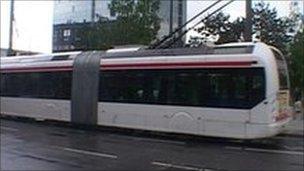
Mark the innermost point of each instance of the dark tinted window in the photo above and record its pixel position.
(129, 87)
(233, 50)
(231, 88)
(52, 85)
(60, 58)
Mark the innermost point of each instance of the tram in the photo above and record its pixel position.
(236, 90)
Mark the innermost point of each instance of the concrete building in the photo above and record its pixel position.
(70, 16)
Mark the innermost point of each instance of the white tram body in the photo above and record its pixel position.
(224, 110)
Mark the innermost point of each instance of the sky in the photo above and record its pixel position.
(33, 20)
(32, 26)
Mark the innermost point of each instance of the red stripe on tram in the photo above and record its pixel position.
(127, 66)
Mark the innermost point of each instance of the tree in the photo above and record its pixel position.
(297, 66)
(267, 27)
(271, 29)
(97, 36)
(218, 28)
(137, 20)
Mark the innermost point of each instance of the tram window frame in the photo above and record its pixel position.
(114, 86)
(32, 85)
(169, 90)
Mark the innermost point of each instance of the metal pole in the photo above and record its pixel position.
(93, 12)
(180, 12)
(10, 40)
(192, 27)
(171, 17)
(157, 44)
(248, 22)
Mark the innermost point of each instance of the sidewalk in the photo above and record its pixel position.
(296, 126)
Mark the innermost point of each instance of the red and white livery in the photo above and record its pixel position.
(238, 90)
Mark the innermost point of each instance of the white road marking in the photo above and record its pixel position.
(169, 165)
(91, 153)
(293, 148)
(266, 150)
(8, 128)
(275, 151)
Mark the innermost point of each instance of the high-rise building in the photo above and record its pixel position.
(70, 16)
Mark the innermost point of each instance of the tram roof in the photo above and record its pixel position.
(230, 48)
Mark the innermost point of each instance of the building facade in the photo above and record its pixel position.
(66, 36)
(71, 16)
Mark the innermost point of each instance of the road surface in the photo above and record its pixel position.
(27, 145)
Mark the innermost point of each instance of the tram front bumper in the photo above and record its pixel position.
(265, 130)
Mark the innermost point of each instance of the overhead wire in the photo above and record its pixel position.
(159, 43)
(192, 27)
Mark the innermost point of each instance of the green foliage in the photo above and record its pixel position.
(297, 64)
(98, 36)
(219, 27)
(137, 20)
(273, 30)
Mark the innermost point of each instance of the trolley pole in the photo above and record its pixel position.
(248, 22)
(11, 25)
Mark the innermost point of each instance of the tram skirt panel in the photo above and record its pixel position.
(85, 82)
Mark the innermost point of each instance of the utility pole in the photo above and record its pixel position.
(171, 17)
(248, 22)
(11, 25)
(93, 12)
(180, 14)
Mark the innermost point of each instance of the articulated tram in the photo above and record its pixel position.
(238, 90)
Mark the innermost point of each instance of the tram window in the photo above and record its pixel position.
(158, 86)
(27, 84)
(219, 90)
(229, 88)
(2, 83)
(256, 95)
(109, 86)
(45, 85)
(52, 85)
(183, 89)
(133, 88)
(62, 85)
(129, 87)
(240, 87)
(235, 88)
(12, 85)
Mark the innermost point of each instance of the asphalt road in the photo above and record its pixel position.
(45, 146)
